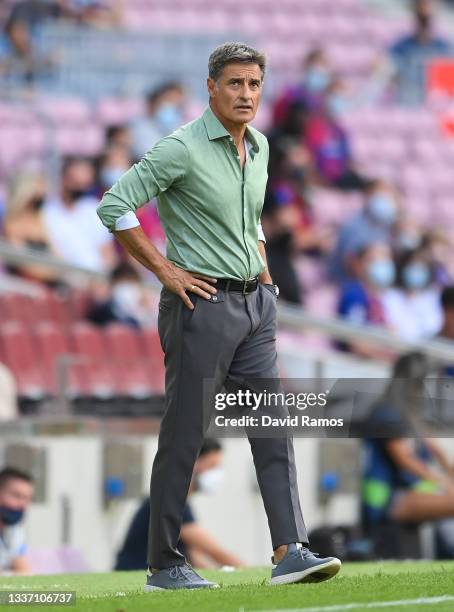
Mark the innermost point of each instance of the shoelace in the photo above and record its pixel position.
(303, 552)
(185, 572)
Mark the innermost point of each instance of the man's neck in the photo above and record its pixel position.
(236, 130)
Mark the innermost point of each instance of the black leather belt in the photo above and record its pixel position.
(229, 284)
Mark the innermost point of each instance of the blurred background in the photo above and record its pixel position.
(358, 108)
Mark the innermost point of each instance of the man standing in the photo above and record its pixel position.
(217, 313)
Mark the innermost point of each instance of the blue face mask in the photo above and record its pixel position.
(11, 516)
(109, 176)
(408, 241)
(381, 272)
(316, 79)
(337, 105)
(382, 207)
(169, 117)
(416, 275)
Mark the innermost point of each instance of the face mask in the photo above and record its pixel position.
(76, 194)
(408, 241)
(110, 175)
(382, 208)
(424, 21)
(317, 79)
(169, 117)
(11, 516)
(337, 105)
(127, 296)
(298, 174)
(210, 481)
(416, 276)
(37, 203)
(381, 272)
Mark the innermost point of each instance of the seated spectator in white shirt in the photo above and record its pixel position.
(16, 492)
(412, 308)
(73, 227)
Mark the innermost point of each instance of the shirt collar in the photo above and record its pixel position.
(215, 129)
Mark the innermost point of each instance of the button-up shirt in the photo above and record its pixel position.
(208, 204)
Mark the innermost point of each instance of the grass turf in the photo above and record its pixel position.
(247, 589)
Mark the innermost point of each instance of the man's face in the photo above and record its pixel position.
(235, 96)
(16, 494)
(79, 176)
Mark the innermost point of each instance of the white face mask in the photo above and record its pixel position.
(210, 481)
(128, 297)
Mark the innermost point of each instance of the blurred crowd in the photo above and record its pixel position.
(384, 268)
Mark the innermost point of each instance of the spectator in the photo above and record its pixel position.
(164, 113)
(127, 303)
(374, 223)
(19, 49)
(360, 299)
(287, 219)
(329, 143)
(196, 543)
(118, 135)
(412, 308)
(71, 222)
(98, 13)
(407, 478)
(16, 492)
(315, 78)
(411, 54)
(24, 224)
(114, 162)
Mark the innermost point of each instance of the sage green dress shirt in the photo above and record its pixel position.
(208, 204)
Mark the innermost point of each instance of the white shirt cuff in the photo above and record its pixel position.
(127, 221)
(261, 235)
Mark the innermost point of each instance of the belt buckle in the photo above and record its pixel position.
(245, 284)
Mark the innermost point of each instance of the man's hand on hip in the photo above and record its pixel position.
(179, 281)
(175, 279)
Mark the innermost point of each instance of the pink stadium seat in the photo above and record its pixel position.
(154, 358)
(95, 368)
(65, 110)
(53, 345)
(127, 358)
(24, 309)
(21, 357)
(114, 111)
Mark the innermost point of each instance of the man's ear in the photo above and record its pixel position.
(211, 85)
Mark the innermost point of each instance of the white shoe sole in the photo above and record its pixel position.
(318, 573)
(148, 588)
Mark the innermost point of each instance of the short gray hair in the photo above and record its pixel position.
(234, 53)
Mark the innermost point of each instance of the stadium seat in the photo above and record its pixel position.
(127, 358)
(154, 358)
(95, 369)
(53, 346)
(20, 355)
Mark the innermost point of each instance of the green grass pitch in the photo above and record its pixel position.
(246, 590)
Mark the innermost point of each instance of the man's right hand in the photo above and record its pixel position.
(180, 281)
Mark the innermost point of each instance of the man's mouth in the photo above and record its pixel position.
(243, 107)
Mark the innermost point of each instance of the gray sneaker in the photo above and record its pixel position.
(301, 565)
(177, 577)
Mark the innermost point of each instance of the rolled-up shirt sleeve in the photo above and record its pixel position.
(260, 234)
(162, 166)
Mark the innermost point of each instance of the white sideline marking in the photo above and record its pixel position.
(375, 604)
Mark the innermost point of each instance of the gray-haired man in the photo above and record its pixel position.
(217, 312)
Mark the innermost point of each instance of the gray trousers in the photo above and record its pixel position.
(232, 335)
